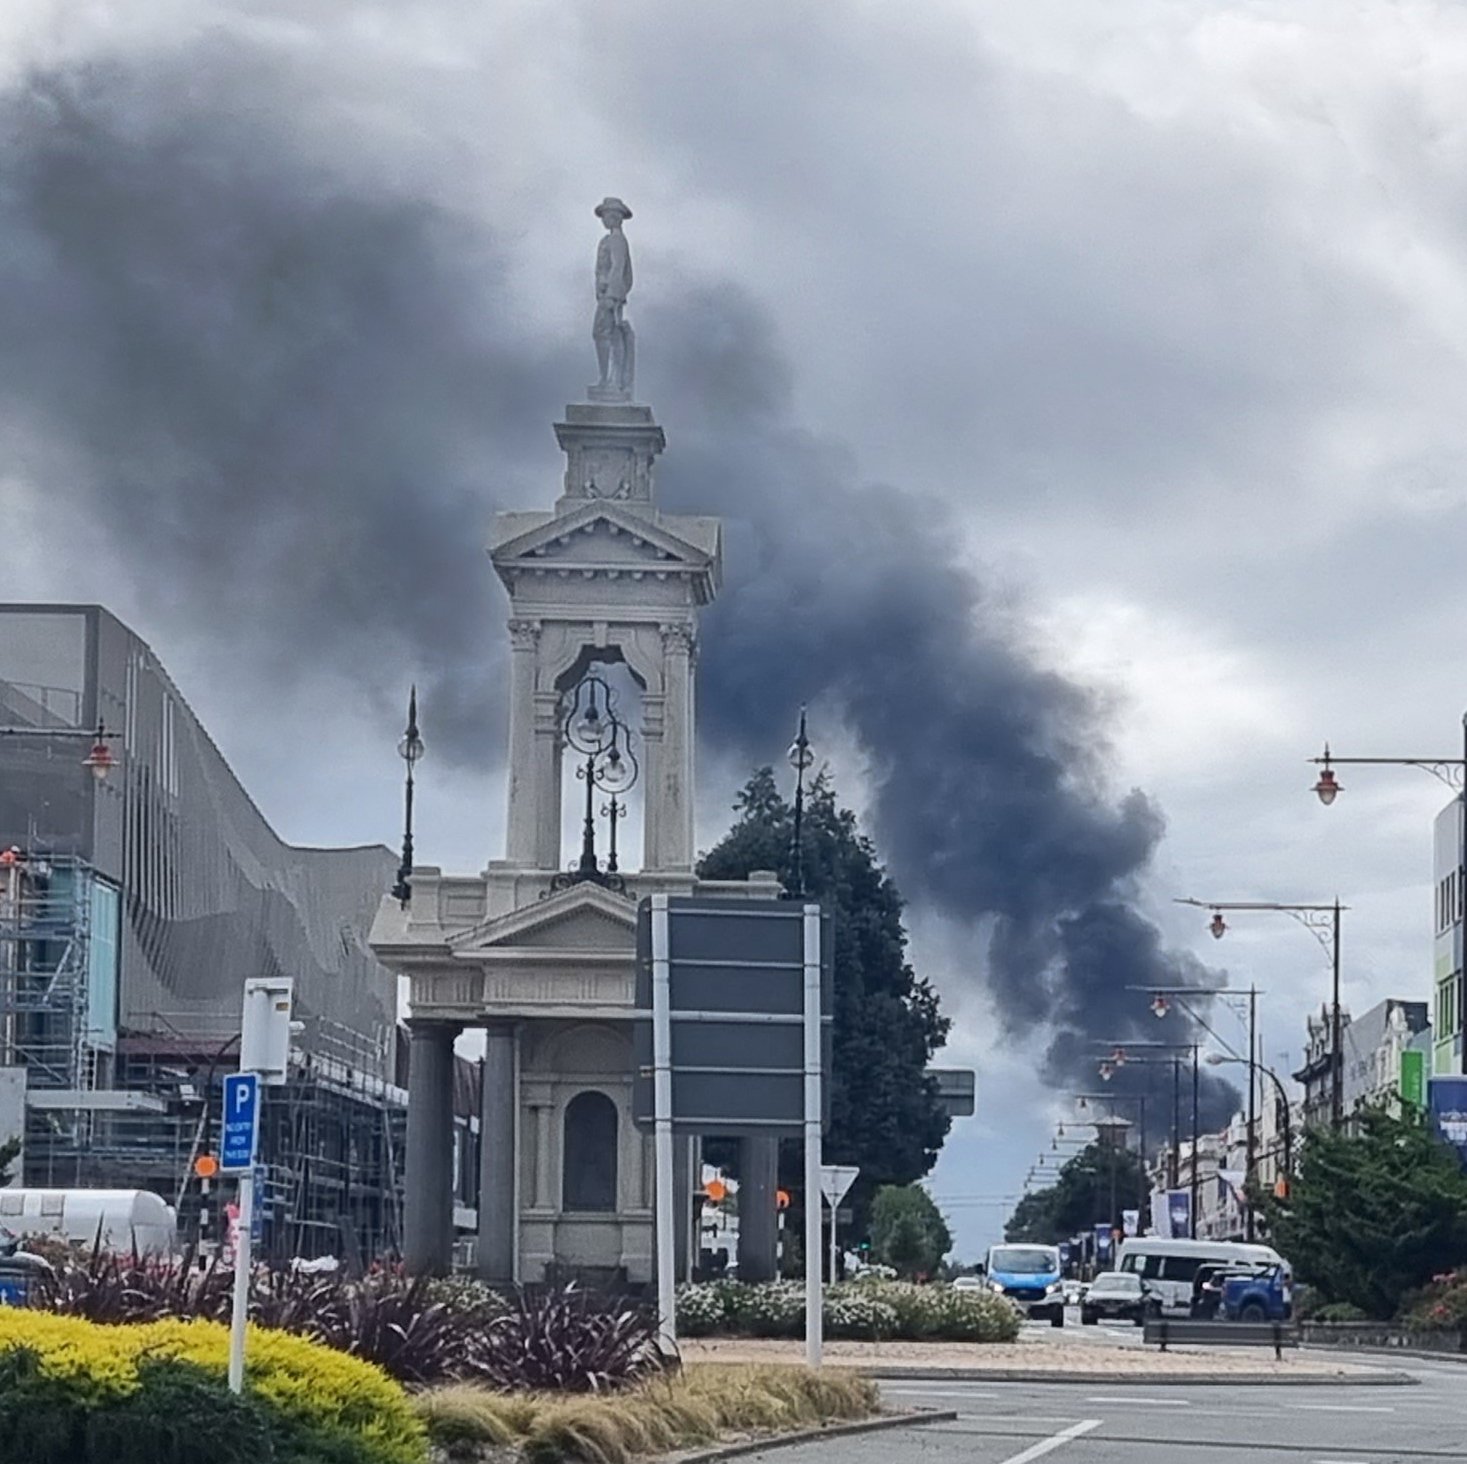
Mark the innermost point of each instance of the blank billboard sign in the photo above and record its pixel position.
(736, 978)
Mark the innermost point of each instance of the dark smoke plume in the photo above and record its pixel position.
(295, 397)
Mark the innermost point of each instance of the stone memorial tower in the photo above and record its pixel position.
(604, 593)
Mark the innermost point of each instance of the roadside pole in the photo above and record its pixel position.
(241, 1135)
(834, 1246)
(243, 1253)
(662, 1126)
(813, 1115)
(264, 1058)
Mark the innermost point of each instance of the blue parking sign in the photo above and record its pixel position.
(241, 1126)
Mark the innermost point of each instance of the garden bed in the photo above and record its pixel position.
(77, 1392)
(701, 1406)
(862, 1311)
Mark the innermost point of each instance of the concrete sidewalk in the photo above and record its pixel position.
(1058, 1361)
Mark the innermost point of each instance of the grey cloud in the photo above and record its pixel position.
(296, 399)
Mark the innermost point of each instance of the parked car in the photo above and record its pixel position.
(1119, 1296)
(1265, 1296)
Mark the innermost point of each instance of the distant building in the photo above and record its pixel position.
(1447, 989)
(131, 912)
(1371, 1045)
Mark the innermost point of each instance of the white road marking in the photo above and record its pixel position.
(911, 1392)
(1145, 1402)
(1049, 1445)
(1341, 1407)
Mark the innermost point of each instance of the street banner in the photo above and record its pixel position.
(1413, 1079)
(1161, 1215)
(1448, 1098)
(1131, 1222)
(1104, 1245)
(1179, 1211)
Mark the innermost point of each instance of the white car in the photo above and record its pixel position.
(969, 1283)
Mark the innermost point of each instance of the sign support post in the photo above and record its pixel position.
(242, 1261)
(662, 1126)
(241, 1134)
(813, 1156)
(835, 1183)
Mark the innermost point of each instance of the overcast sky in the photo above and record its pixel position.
(1127, 338)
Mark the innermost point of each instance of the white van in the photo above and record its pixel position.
(1171, 1265)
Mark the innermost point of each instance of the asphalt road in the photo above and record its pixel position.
(1016, 1423)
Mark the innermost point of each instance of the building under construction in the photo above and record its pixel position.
(132, 909)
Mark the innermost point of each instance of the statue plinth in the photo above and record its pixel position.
(611, 396)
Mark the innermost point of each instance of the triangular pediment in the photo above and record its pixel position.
(584, 919)
(599, 535)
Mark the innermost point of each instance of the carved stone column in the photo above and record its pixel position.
(669, 810)
(498, 1163)
(526, 762)
(428, 1210)
(544, 1117)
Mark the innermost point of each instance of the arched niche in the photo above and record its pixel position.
(589, 1151)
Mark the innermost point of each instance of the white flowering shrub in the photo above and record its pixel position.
(862, 1310)
(858, 1313)
(700, 1311)
(975, 1316)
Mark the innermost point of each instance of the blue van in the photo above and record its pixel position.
(1030, 1276)
(19, 1270)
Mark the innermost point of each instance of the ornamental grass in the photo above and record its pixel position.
(699, 1406)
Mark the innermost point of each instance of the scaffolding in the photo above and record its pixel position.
(137, 1110)
(45, 940)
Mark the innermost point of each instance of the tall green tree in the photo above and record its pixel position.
(1373, 1214)
(1091, 1188)
(908, 1232)
(885, 1113)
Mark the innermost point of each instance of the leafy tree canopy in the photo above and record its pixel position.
(1375, 1214)
(885, 1113)
(1091, 1188)
(908, 1232)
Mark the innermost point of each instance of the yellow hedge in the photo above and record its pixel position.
(304, 1381)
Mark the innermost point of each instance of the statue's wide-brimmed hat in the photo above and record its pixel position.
(612, 205)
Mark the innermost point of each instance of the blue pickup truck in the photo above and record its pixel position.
(1264, 1295)
(1031, 1277)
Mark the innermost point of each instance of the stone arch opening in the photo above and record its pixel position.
(616, 813)
(589, 1154)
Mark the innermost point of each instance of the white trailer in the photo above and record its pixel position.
(126, 1220)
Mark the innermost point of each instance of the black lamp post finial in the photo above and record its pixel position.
(410, 749)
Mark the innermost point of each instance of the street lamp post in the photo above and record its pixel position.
(1323, 923)
(1162, 998)
(1120, 1057)
(1451, 771)
(1139, 1099)
(592, 730)
(100, 759)
(800, 759)
(1282, 1110)
(410, 749)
